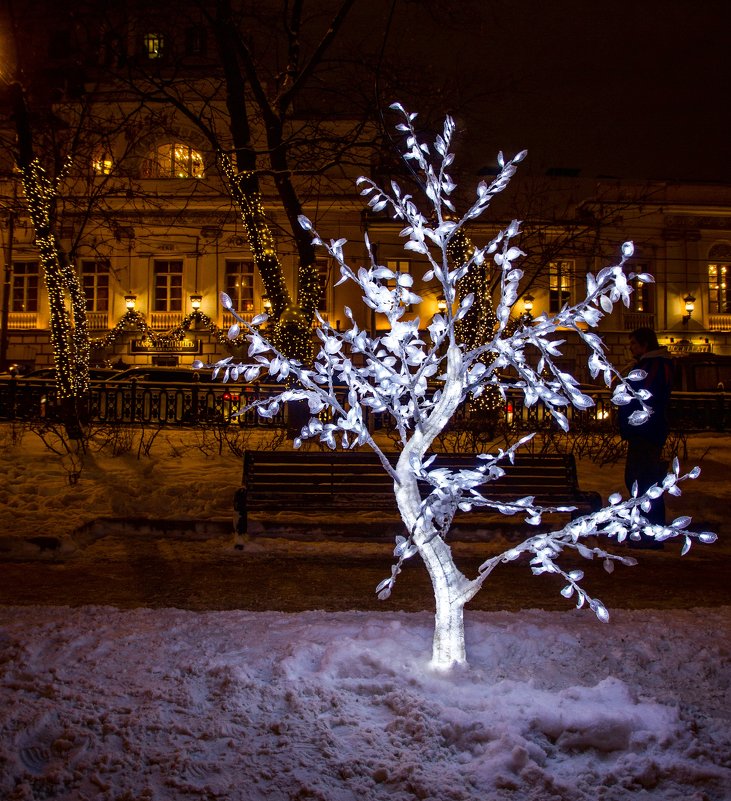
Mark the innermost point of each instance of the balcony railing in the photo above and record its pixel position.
(163, 321)
(633, 320)
(719, 322)
(98, 321)
(22, 320)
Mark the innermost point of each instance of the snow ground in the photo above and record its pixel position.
(102, 704)
(157, 705)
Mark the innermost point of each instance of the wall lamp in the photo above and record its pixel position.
(528, 303)
(441, 304)
(689, 301)
(195, 302)
(266, 304)
(129, 302)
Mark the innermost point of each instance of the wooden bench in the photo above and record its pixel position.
(352, 481)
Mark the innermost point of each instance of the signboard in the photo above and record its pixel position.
(185, 345)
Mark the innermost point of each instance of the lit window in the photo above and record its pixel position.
(25, 287)
(641, 299)
(718, 290)
(168, 289)
(174, 160)
(95, 281)
(239, 281)
(560, 284)
(153, 45)
(102, 162)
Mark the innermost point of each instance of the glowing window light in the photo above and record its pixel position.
(175, 160)
(153, 44)
(102, 164)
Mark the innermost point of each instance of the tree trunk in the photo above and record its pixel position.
(448, 583)
(451, 588)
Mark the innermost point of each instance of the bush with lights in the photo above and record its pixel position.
(394, 376)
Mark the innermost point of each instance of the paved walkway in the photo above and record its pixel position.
(206, 575)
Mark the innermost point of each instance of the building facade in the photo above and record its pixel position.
(150, 227)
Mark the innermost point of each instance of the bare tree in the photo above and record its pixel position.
(271, 107)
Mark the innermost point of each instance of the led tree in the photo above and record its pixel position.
(395, 374)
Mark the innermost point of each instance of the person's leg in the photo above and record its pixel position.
(644, 466)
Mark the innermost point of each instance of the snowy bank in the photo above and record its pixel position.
(102, 704)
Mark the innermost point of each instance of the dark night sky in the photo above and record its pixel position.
(629, 89)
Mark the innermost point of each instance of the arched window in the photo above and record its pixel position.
(102, 162)
(174, 160)
(719, 275)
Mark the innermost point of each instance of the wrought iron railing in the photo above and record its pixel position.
(193, 404)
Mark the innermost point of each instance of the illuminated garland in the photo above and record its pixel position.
(136, 320)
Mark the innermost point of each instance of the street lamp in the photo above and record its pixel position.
(441, 304)
(528, 303)
(266, 304)
(689, 301)
(195, 302)
(129, 302)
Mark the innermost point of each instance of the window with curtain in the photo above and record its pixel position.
(153, 45)
(641, 299)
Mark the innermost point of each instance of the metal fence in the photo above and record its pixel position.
(193, 404)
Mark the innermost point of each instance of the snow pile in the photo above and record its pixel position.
(102, 704)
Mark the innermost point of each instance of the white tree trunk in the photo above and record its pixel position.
(448, 583)
(451, 587)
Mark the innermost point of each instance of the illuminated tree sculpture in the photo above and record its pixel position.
(391, 374)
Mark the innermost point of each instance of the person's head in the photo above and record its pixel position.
(642, 340)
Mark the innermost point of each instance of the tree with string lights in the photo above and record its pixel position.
(68, 324)
(391, 374)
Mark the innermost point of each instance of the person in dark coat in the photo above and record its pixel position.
(645, 442)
